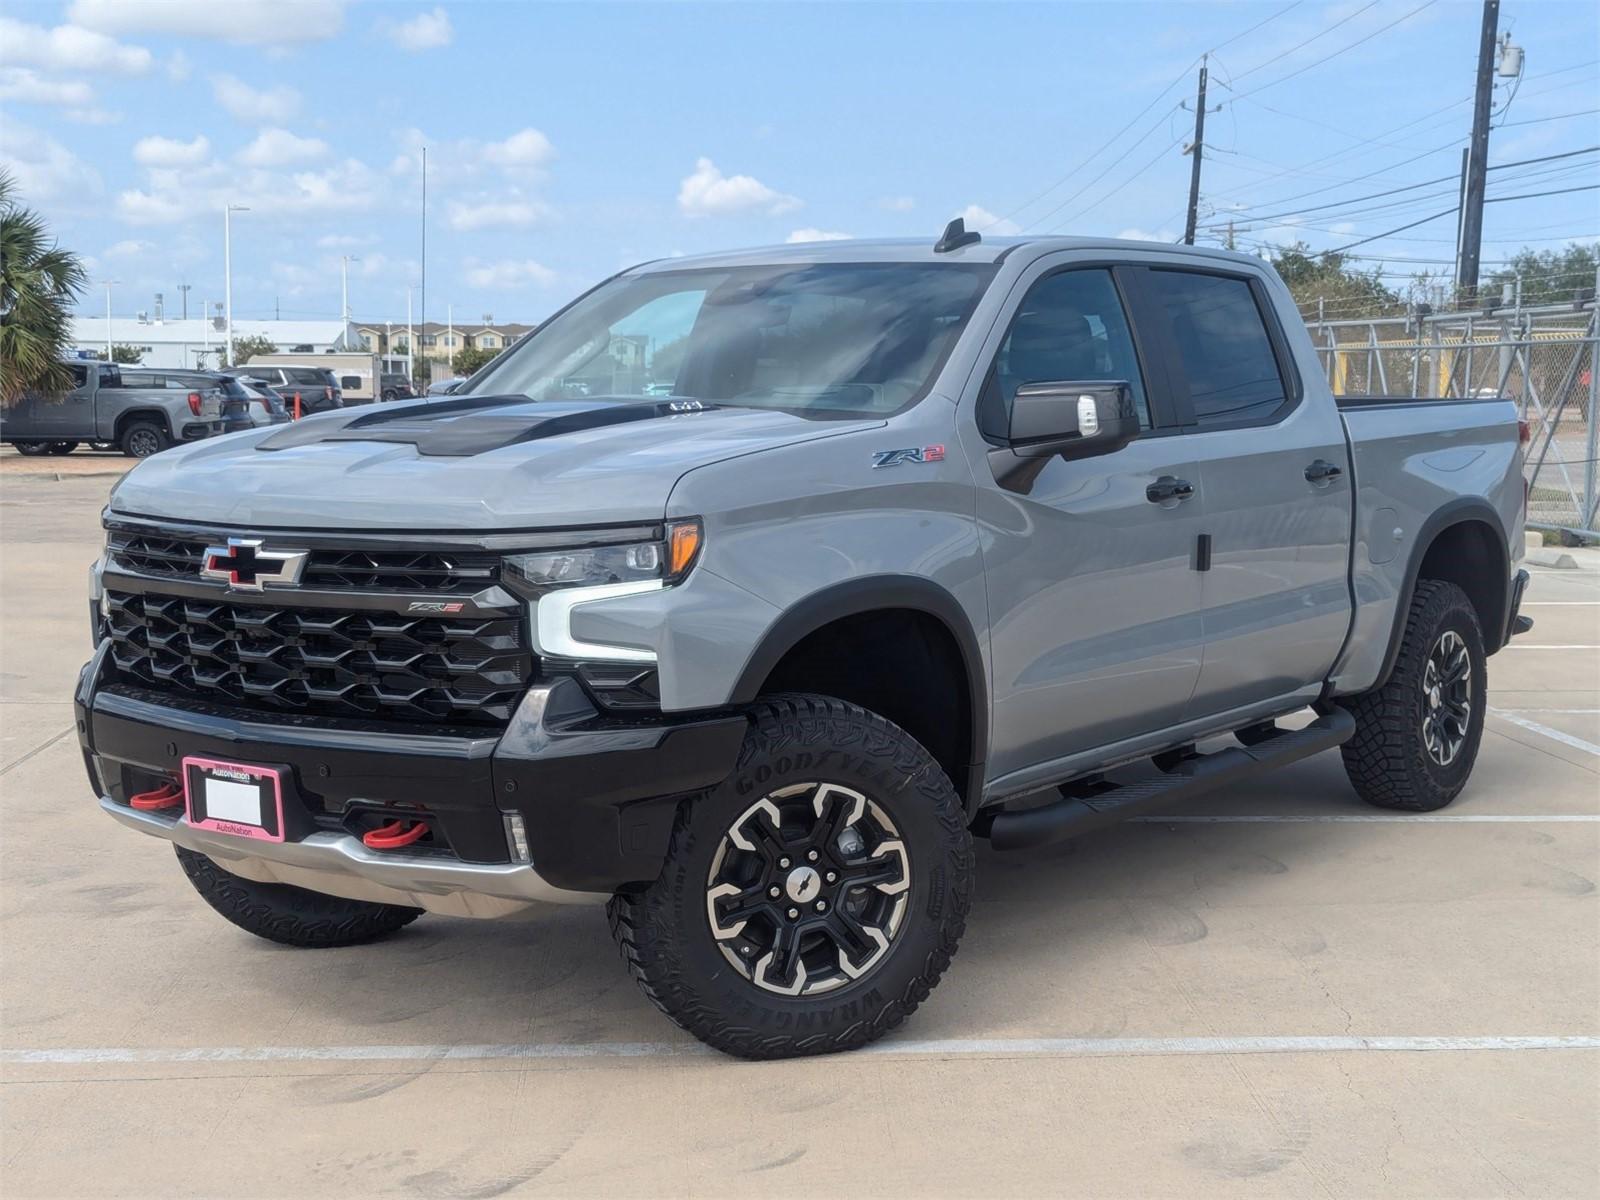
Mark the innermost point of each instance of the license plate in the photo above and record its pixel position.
(233, 798)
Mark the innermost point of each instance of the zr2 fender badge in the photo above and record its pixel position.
(435, 606)
(912, 454)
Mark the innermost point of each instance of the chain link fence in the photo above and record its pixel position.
(1542, 358)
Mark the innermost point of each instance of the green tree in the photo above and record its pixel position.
(1344, 290)
(246, 348)
(1548, 276)
(121, 352)
(39, 283)
(470, 360)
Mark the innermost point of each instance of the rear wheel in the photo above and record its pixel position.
(291, 916)
(33, 449)
(141, 439)
(63, 447)
(812, 900)
(1417, 736)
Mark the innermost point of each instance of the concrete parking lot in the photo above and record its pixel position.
(1272, 992)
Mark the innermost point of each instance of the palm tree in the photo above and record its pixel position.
(39, 283)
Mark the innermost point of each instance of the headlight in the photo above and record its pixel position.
(665, 561)
(561, 580)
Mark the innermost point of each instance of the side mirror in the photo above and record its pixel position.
(1065, 419)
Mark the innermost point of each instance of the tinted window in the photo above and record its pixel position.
(1071, 328)
(80, 375)
(1225, 351)
(350, 382)
(825, 338)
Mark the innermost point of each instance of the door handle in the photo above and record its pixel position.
(1168, 487)
(1322, 471)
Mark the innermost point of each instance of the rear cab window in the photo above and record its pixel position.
(1226, 355)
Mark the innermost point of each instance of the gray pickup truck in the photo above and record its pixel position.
(924, 542)
(102, 408)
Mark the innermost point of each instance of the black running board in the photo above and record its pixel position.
(1064, 819)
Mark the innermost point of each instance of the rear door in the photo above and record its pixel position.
(1095, 629)
(71, 418)
(1274, 475)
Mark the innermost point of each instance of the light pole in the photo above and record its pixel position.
(344, 286)
(227, 269)
(411, 351)
(108, 283)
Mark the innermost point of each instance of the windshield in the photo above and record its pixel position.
(831, 338)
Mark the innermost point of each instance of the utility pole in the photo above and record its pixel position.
(411, 342)
(423, 304)
(227, 270)
(344, 286)
(183, 290)
(1477, 162)
(1195, 148)
(108, 284)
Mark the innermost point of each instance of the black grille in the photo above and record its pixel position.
(330, 569)
(349, 664)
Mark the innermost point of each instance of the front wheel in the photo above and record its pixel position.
(1417, 736)
(814, 898)
(63, 447)
(33, 449)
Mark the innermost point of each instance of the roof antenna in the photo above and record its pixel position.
(956, 236)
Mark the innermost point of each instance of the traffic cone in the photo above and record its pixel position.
(297, 413)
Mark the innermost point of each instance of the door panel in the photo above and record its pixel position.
(1095, 628)
(1096, 633)
(1276, 599)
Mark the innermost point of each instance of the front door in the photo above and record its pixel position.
(71, 417)
(1095, 630)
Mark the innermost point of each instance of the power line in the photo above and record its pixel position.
(1446, 212)
(1587, 112)
(1137, 117)
(1272, 83)
(1292, 49)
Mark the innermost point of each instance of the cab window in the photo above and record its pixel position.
(1071, 327)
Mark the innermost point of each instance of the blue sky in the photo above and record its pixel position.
(568, 140)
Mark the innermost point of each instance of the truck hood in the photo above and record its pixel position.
(463, 464)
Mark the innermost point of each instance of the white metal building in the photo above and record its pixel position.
(194, 342)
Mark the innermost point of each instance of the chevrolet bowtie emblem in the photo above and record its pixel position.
(248, 566)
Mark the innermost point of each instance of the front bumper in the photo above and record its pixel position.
(596, 796)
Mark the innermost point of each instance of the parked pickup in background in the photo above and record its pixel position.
(101, 408)
(751, 588)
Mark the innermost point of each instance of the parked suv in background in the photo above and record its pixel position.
(316, 387)
(397, 387)
(925, 542)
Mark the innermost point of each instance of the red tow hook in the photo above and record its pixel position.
(393, 835)
(168, 795)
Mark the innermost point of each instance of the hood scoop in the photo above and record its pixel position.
(468, 425)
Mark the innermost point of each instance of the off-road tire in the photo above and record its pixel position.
(1387, 760)
(63, 447)
(291, 916)
(665, 935)
(33, 449)
(141, 439)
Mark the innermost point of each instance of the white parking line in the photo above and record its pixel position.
(1526, 646)
(1561, 604)
(1364, 818)
(1555, 735)
(939, 1048)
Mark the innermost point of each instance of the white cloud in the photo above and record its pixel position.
(131, 248)
(425, 31)
(981, 220)
(255, 106)
(280, 148)
(496, 214)
(178, 67)
(897, 203)
(342, 241)
(169, 152)
(527, 148)
(510, 273)
(68, 48)
(242, 22)
(29, 87)
(708, 192)
(817, 235)
(172, 195)
(43, 168)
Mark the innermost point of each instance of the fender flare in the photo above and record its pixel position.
(1457, 512)
(854, 597)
